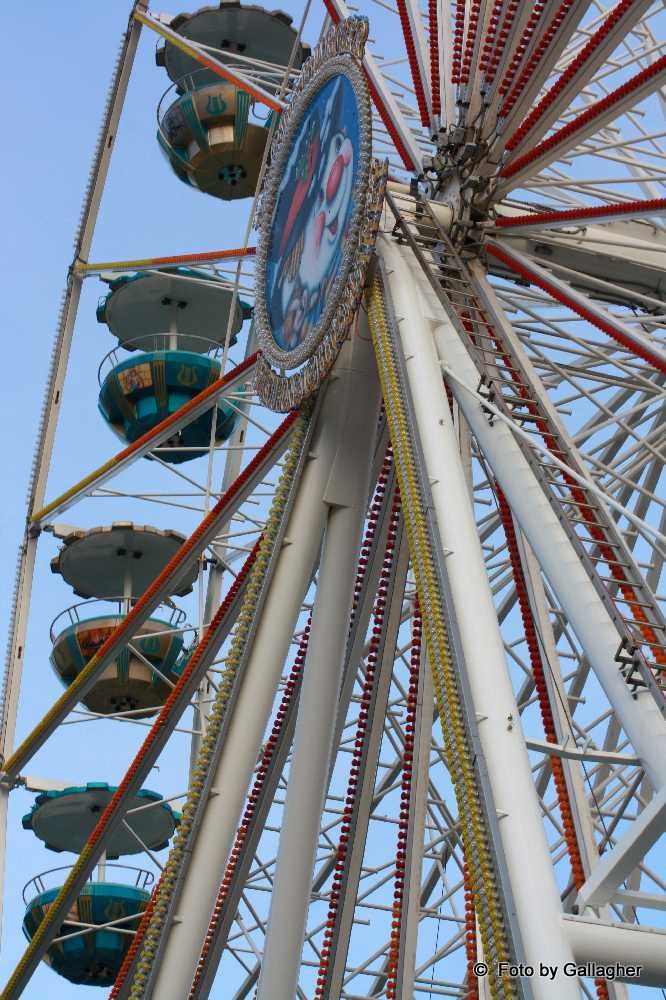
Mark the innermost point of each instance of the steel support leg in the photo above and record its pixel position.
(624, 944)
(530, 871)
(313, 741)
(182, 946)
(366, 787)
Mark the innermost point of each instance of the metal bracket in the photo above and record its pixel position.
(628, 657)
(486, 390)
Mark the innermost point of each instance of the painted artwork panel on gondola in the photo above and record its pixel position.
(314, 208)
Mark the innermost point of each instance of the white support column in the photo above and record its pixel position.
(639, 716)
(529, 866)
(366, 788)
(251, 714)
(623, 944)
(346, 495)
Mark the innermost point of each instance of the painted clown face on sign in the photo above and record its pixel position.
(314, 207)
(332, 199)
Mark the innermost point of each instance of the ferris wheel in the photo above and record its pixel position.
(379, 588)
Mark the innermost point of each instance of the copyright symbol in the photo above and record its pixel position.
(480, 969)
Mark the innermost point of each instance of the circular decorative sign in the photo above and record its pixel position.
(318, 220)
(317, 205)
